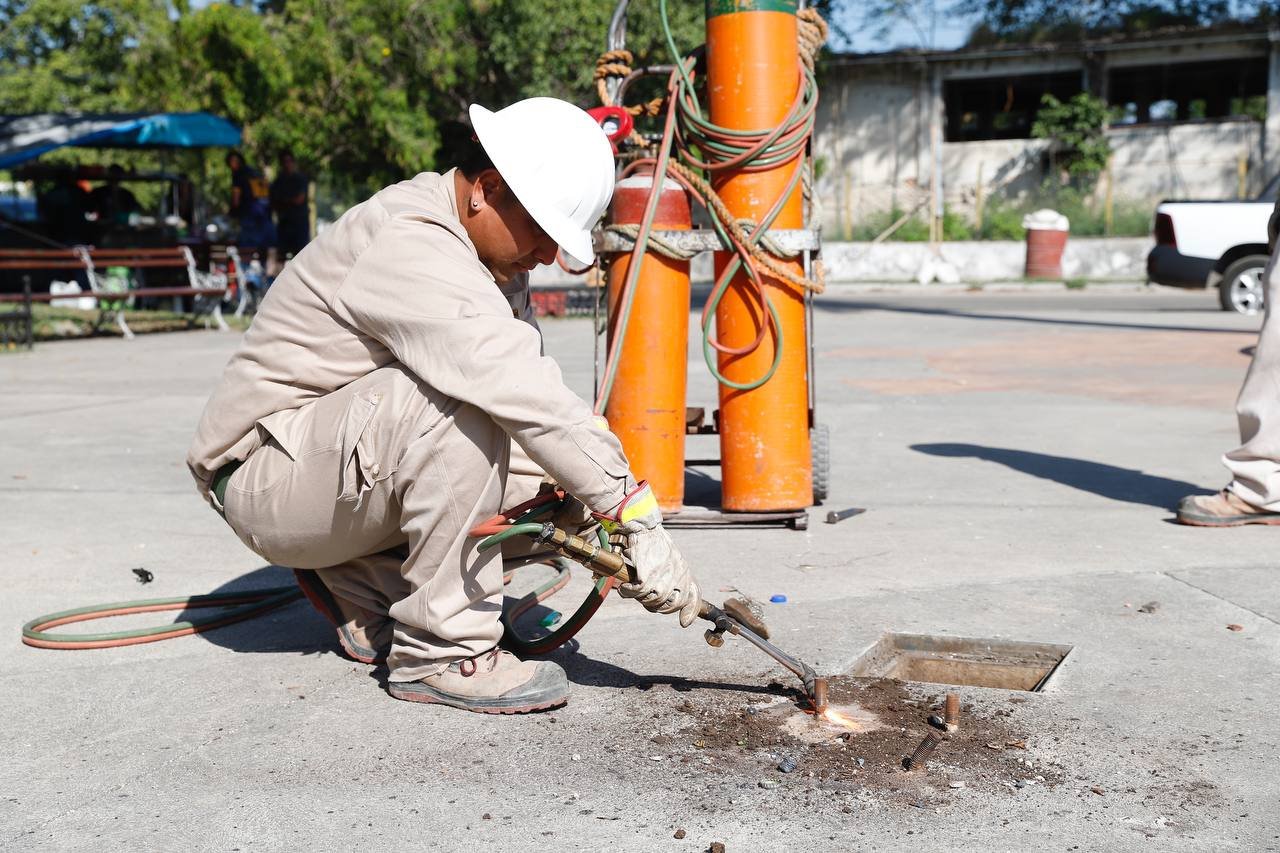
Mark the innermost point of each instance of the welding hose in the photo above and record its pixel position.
(245, 605)
(519, 521)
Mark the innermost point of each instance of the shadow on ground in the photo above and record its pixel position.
(846, 305)
(295, 628)
(1108, 481)
(298, 629)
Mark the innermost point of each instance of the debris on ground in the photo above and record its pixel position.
(679, 833)
(881, 723)
(777, 599)
(1235, 627)
(144, 576)
(1149, 607)
(716, 847)
(834, 517)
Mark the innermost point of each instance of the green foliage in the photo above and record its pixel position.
(1077, 129)
(914, 230)
(1033, 21)
(1002, 219)
(51, 324)
(363, 91)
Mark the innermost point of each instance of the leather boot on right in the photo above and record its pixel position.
(1225, 509)
(495, 682)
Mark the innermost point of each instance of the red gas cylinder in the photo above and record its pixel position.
(646, 408)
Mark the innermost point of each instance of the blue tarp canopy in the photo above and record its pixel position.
(26, 137)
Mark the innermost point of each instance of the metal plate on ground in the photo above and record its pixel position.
(698, 516)
(962, 661)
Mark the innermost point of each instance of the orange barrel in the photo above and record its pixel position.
(646, 408)
(753, 77)
(1046, 241)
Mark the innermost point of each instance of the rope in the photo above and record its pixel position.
(611, 63)
(747, 232)
(669, 249)
(617, 63)
(812, 35)
(657, 242)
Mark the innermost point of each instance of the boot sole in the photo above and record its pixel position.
(413, 691)
(1228, 521)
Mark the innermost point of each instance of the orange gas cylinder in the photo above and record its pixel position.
(752, 79)
(646, 407)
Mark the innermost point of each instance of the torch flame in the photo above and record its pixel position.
(831, 715)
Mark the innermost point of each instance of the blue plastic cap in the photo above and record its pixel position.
(777, 599)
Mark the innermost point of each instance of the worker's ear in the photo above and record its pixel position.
(486, 189)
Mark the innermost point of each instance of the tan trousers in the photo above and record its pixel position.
(376, 485)
(1255, 465)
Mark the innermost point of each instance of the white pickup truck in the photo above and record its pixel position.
(1215, 243)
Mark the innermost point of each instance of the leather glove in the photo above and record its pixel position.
(663, 582)
(572, 516)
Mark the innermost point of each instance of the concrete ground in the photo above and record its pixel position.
(1017, 453)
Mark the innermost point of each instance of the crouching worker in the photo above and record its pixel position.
(366, 422)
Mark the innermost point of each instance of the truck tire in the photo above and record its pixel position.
(820, 442)
(1242, 288)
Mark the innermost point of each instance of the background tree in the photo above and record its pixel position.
(363, 91)
(1076, 129)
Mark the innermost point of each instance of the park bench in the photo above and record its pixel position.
(16, 326)
(205, 289)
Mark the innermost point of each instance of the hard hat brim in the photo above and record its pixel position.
(575, 241)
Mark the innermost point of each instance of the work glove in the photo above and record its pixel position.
(572, 515)
(663, 582)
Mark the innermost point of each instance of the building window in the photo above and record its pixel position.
(1001, 107)
(1189, 91)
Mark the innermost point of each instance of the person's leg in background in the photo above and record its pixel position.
(1253, 495)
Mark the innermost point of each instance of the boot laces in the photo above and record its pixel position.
(467, 667)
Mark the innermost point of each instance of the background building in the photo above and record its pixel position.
(1195, 113)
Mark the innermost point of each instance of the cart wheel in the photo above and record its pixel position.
(820, 442)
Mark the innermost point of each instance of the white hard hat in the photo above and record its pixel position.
(558, 162)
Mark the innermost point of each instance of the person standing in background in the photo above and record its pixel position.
(1253, 495)
(289, 201)
(250, 207)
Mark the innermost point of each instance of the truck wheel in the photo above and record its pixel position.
(820, 442)
(1242, 289)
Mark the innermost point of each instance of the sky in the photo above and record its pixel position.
(949, 32)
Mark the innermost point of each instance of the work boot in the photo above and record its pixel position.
(495, 682)
(1225, 509)
(364, 635)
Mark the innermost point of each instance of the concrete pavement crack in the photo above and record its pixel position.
(114, 401)
(1262, 616)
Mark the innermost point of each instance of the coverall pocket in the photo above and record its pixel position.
(364, 462)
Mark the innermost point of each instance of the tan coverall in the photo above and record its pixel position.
(375, 399)
(1255, 465)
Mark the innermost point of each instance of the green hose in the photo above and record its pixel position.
(244, 605)
(511, 637)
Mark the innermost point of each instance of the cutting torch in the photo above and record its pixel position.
(734, 617)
